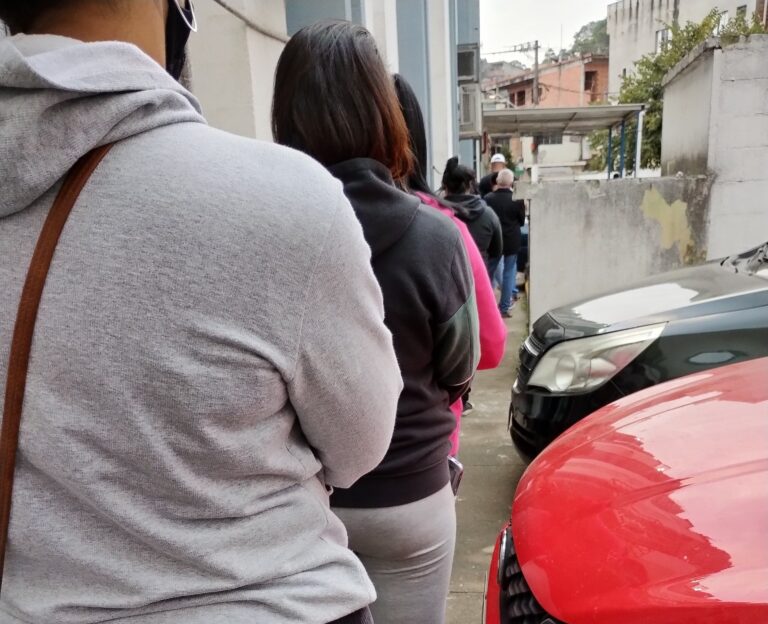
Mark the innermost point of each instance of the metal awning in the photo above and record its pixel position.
(575, 121)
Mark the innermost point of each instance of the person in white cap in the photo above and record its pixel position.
(498, 162)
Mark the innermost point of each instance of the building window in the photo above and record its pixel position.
(662, 38)
(520, 98)
(724, 19)
(741, 11)
(549, 139)
(591, 85)
(590, 81)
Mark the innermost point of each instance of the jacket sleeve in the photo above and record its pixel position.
(456, 334)
(496, 248)
(520, 212)
(493, 331)
(346, 382)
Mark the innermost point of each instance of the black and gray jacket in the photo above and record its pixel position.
(419, 260)
(511, 213)
(482, 223)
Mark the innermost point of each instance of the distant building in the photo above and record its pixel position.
(570, 83)
(640, 27)
(493, 72)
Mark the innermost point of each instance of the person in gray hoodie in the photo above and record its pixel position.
(208, 331)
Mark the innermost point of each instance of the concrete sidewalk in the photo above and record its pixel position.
(492, 469)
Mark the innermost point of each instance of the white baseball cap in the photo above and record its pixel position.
(498, 158)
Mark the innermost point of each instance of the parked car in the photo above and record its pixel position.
(654, 510)
(581, 357)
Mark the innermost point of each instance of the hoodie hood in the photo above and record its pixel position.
(385, 212)
(61, 98)
(472, 204)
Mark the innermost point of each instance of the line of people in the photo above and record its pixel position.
(249, 359)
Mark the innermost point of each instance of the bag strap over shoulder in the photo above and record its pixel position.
(21, 345)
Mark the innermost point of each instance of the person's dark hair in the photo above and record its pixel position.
(414, 119)
(335, 100)
(457, 179)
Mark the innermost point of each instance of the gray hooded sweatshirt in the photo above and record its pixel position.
(210, 353)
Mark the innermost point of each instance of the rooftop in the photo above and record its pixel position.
(580, 120)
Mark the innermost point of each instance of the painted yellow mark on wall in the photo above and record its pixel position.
(672, 219)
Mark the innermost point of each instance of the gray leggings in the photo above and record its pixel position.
(408, 553)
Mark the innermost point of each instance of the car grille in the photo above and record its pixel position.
(518, 605)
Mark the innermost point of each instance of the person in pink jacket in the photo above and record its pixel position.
(493, 331)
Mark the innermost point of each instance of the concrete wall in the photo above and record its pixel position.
(738, 152)
(233, 66)
(716, 121)
(590, 237)
(632, 26)
(687, 116)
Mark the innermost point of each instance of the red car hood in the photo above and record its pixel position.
(655, 509)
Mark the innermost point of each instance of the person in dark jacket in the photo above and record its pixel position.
(488, 182)
(511, 213)
(401, 517)
(481, 221)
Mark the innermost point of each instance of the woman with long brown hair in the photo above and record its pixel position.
(335, 100)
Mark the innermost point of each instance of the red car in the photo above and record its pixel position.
(653, 510)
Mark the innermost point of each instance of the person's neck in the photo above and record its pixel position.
(140, 22)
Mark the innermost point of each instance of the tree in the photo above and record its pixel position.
(550, 56)
(592, 38)
(645, 86)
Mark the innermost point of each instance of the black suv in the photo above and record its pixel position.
(581, 357)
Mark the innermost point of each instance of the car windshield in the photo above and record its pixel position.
(753, 262)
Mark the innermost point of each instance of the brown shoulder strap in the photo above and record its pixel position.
(21, 344)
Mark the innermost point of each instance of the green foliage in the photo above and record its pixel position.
(645, 86)
(592, 38)
(739, 27)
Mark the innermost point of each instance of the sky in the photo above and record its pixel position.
(504, 23)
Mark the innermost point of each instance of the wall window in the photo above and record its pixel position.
(520, 98)
(741, 11)
(724, 19)
(662, 38)
(590, 81)
(549, 139)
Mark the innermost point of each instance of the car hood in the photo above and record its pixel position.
(685, 293)
(655, 508)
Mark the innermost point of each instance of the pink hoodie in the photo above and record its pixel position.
(493, 332)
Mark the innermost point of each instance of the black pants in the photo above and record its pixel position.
(358, 617)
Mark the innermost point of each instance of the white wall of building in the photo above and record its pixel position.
(233, 66)
(633, 24)
(566, 153)
(443, 89)
(380, 17)
(738, 148)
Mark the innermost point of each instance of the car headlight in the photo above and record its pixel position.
(587, 363)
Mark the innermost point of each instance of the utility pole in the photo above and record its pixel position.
(536, 73)
(527, 47)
